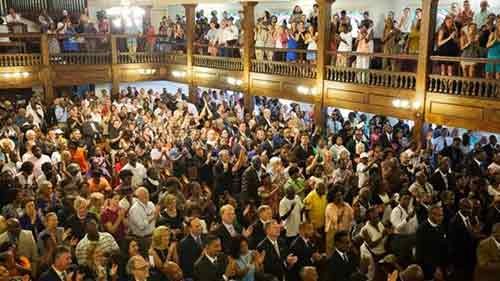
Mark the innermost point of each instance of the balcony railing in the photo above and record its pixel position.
(81, 58)
(480, 85)
(11, 60)
(292, 69)
(234, 64)
(141, 57)
(372, 77)
(377, 69)
(461, 86)
(180, 59)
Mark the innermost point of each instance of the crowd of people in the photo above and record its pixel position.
(142, 185)
(463, 33)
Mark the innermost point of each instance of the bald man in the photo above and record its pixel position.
(309, 273)
(191, 246)
(173, 272)
(462, 242)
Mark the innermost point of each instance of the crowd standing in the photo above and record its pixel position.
(142, 185)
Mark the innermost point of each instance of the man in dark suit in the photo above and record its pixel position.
(277, 258)
(432, 245)
(342, 263)
(222, 171)
(476, 168)
(212, 265)
(250, 181)
(304, 249)
(227, 230)
(302, 151)
(354, 141)
(265, 214)
(490, 148)
(462, 242)
(385, 139)
(58, 270)
(442, 179)
(190, 247)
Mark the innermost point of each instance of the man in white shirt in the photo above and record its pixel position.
(290, 213)
(403, 217)
(481, 17)
(138, 170)
(363, 170)
(230, 36)
(142, 218)
(13, 17)
(38, 159)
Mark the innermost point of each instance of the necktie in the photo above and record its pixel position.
(276, 248)
(198, 240)
(345, 258)
(63, 275)
(231, 230)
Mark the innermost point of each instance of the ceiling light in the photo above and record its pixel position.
(178, 74)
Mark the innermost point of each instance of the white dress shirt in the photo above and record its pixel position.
(139, 217)
(401, 222)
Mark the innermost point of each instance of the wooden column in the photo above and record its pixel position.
(115, 68)
(429, 13)
(45, 70)
(190, 23)
(325, 13)
(248, 51)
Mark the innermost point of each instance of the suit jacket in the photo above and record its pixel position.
(462, 244)
(258, 234)
(438, 183)
(301, 154)
(431, 248)
(475, 169)
(384, 140)
(274, 264)
(205, 270)
(304, 254)
(223, 180)
(50, 275)
(487, 253)
(250, 183)
(351, 146)
(25, 246)
(340, 270)
(189, 253)
(225, 237)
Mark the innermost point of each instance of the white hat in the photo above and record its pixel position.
(364, 155)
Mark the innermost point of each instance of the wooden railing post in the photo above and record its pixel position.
(115, 68)
(429, 13)
(190, 23)
(325, 12)
(45, 69)
(248, 51)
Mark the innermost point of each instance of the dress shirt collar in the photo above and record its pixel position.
(464, 218)
(59, 273)
(497, 243)
(341, 254)
(477, 161)
(431, 223)
(211, 259)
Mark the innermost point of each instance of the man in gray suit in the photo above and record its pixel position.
(23, 240)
